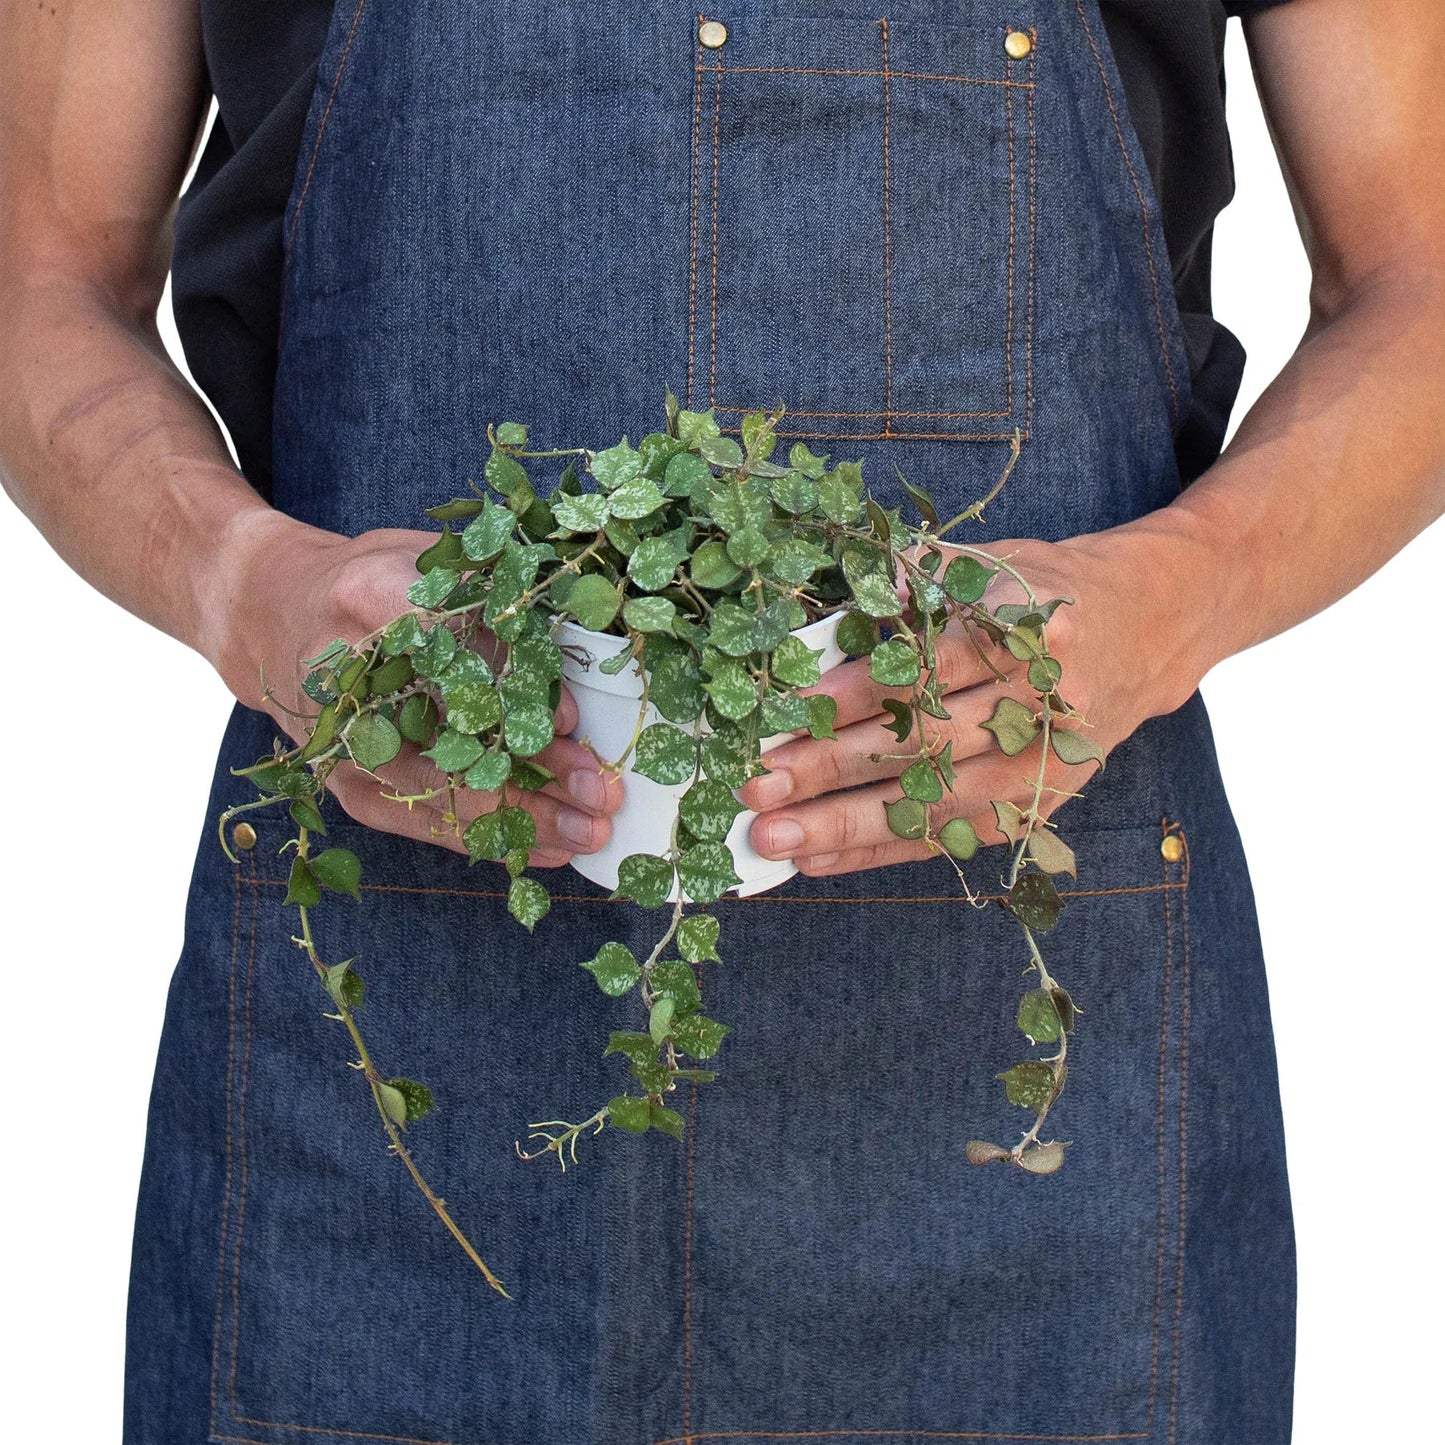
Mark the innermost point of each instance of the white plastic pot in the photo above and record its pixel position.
(607, 717)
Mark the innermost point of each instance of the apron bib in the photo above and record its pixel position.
(922, 242)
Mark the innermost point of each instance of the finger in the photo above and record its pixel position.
(959, 665)
(561, 827)
(867, 752)
(857, 819)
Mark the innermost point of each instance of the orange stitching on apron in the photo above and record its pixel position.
(876, 1435)
(883, 436)
(230, 1082)
(944, 415)
(245, 1162)
(887, 249)
(757, 898)
(1033, 180)
(1183, 1153)
(716, 121)
(325, 117)
(1163, 1055)
(692, 264)
(687, 1252)
(1008, 106)
(1143, 210)
(892, 74)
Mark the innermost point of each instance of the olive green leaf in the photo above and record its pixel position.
(417, 720)
(394, 1102)
(1051, 853)
(1074, 748)
(907, 818)
(345, 985)
(1013, 725)
(1010, 820)
(959, 838)
(593, 601)
(373, 741)
(446, 551)
(712, 569)
(966, 579)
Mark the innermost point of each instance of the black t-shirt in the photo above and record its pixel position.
(227, 262)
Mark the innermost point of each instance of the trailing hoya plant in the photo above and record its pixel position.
(705, 552)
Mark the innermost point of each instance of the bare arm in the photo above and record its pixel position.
(1339, 464)
(105, 446)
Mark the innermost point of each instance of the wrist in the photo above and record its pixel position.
(1176, 586)
(239, 589)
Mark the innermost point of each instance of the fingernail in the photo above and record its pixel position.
(821, 860)
(575, 827)
(588, 789)
(784, 836)
(771, 789)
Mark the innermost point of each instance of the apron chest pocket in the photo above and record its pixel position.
(862, 228)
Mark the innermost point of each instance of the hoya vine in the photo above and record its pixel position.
(706, 554)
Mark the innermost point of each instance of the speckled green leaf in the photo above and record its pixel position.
(708, 808)
(697, 937)
(644, 879)
(615, 969)
(665, 754)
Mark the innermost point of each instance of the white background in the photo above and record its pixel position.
(1329, 743)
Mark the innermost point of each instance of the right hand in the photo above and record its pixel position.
(292, 589)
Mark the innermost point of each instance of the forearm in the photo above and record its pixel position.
(1339, 464)
(113, 456)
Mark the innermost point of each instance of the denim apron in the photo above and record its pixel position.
(923, 237)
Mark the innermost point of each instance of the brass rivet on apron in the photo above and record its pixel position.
(712, 33)
(245, 837)
(1172, 847)
(1017, 44)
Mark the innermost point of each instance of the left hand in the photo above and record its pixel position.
(822, 801)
